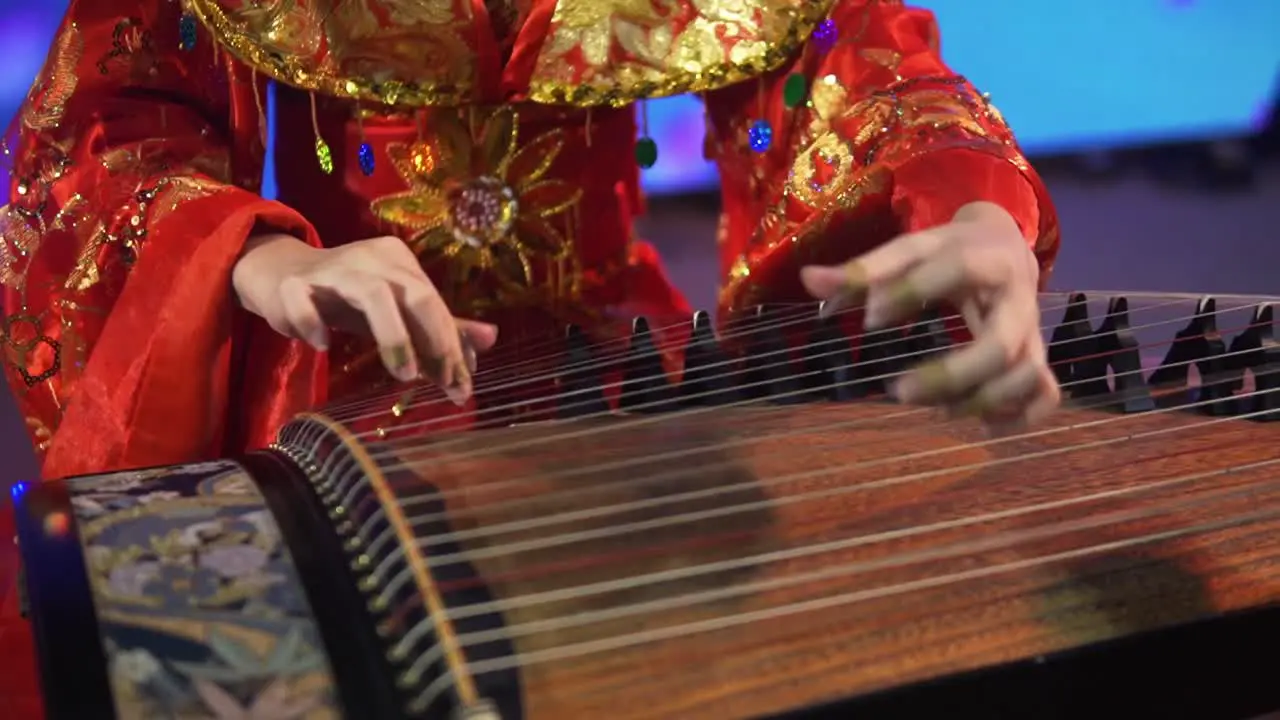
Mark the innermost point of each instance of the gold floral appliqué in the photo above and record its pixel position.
(482, 204)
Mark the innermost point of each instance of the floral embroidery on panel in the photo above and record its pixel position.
(200, 606)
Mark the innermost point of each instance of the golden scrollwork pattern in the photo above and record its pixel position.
(613, 52)
(56, 83)
(393, 53)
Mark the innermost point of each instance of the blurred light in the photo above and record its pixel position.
(57, 524)
(25, 33)
(18, 489)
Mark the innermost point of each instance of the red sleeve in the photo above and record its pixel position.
(884, 139)
(136, 164)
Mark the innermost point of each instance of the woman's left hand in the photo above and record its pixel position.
(979, 262)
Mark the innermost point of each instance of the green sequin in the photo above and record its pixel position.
(795, 90)
(646, 153)
(324, 155)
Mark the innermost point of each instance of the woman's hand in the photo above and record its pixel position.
(371, 287)
(979, 262)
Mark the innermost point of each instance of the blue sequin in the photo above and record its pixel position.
(366, 159)
(825, 35)
(187, 32)
(760, 136)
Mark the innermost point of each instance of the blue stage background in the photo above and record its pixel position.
(1086, 74)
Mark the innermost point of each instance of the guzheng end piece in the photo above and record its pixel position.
(727, 560)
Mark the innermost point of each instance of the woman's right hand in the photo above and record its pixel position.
(372, 287)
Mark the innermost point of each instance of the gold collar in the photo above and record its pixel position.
(574, 52)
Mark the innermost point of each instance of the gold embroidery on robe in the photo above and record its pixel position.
(56, 83)
(418, 54)
(614, 52)
(855, 150)
(597, 52)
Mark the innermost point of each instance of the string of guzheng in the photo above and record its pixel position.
(1010, 540)
(609, 352)
(727, 621)
(614, 349)
(838, 345)
(605, 354)
(508, 482)
(548, 350)
(628, 424)
(675, 499)
(607, 470)
(668, 576)
(553, 519)
(614, 466)
(828, 493)
(801, 314)
(615, 643)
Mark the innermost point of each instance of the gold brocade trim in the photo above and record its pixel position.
(250, 46)
(852, 156)
(299, 43)
(739, 289)
(669, 67)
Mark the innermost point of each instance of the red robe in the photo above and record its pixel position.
(137, 157)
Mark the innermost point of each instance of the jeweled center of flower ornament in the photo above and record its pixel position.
(482, 210)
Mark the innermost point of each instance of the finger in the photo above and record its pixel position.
(1004, 398)
(436, 335)
(1046, 401)
(952, 272)
(481, 335)
(840, 284)
(1040, 407)
(476, 337)
(302, 315)
(1004, 340)
(469, 354)
(375, 299)
(1050, 395)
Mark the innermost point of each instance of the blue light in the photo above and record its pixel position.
(760, 136)
(18, 489)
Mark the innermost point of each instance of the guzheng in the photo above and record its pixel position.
(758, 534)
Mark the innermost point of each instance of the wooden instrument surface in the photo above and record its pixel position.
(737, 562)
